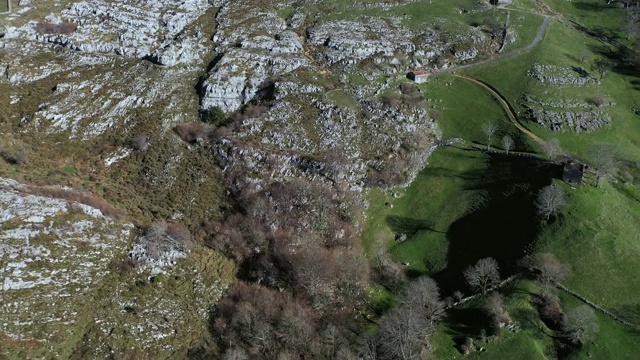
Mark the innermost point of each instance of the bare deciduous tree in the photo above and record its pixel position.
(507, 143)
(424, 294)
(388, 273)
(549, 270)
(366, 346)
(581, 325)
(605, 160)
(552, 148)
(494, 307)
(489, 129)
(548, 306)
(458, 295)
(483, 275)
(403, 331)
(161, 237)
(550, 201)
(402, 334)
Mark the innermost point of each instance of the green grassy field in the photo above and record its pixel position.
(525, 26)
(534, 340)
(614, 341)
(4, 6)
(440, 182)
(448, 15)
(526, 5)
(607, 19)
(597, 235)
(563, 47)
(528, 343)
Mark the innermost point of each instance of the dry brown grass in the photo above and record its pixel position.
(79, 197)
(64, 28)
(192, 132)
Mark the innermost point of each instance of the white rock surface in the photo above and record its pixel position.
(128, 28)
(52, 253)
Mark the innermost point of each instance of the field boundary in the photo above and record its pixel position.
(597, 307)
(8, 7)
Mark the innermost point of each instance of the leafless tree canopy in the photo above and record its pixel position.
(483, 275)
(161, 237)
(403, 331)
(605, 160)
(548, 306)
(402, 334)
(424, 294)
(548, 268)
(552, 148)
(581, 325)
(507, 143)
(388, 273)
(489, 129)
(550, 201)
(494, 307)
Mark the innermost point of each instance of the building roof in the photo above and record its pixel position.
(572, 172)
(420, 72)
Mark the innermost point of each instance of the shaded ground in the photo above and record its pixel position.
(503, 223)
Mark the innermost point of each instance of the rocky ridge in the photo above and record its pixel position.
(555, 75)
(52, 251)
(300, 135)
(150, 29)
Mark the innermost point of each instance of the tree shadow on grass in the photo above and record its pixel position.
(468, 322)
(626, 60)
(408, 226)
(505, 225)
(590, 6)
(444, 172)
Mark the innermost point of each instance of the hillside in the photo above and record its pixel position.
(261, 179)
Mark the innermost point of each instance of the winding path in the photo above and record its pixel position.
(514, 119)
(536, 41)
(513, 116)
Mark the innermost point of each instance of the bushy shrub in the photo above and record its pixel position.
(215, 116)
(63, 28)
(192, 132)
(13, 154)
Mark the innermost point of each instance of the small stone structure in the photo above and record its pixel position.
(573, 172)
(419, 76)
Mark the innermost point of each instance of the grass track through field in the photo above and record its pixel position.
(494, 92)
(505, 104)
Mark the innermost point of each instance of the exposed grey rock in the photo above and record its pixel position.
(254, 48)
(124, 27)
(52, 251)
(556, 75)
(349, 42)
(578, 121)
(566, 103)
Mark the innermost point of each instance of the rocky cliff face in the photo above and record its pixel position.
(316, 106)
(252, 47)
(154, 29)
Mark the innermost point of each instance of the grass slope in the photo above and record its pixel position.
(597, 235)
